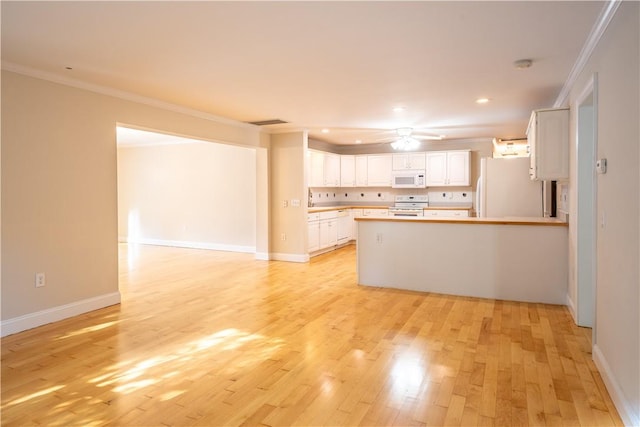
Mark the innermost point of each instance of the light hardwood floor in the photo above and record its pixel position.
(214, 338)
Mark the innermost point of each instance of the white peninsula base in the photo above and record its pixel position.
(516, 261)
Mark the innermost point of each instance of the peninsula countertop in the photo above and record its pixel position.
(474, 220)
(315, 209)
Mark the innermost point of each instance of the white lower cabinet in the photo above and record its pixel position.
(328, 233)
(313, 232)
(355, 213)
(329, 229)
(446, 213)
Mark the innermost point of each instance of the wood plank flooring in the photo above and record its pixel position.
(212, 338)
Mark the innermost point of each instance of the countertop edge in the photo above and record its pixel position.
(473, 220)
(337, 208)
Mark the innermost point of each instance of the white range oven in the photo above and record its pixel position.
(409, 206)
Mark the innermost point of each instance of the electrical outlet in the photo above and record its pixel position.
(283, 237)
(40, 280)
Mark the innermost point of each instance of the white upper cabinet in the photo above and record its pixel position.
(436, 168)
(331, 170)
(379, 170)
(316, 168)
(362, 171)
(409, 161)
(347, 171)
(458, 168)
(447, 168)
(324, 169)
(548, 138)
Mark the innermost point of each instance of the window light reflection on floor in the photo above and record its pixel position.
(183, 360)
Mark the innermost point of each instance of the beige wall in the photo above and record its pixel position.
(197, 194)
(59, 181)
(288, 182)
(617, 324)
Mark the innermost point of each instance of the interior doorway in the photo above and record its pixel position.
(193, 193)
(586, 265)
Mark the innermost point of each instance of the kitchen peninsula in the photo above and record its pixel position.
(518, 259)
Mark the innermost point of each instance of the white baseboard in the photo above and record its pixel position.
(190, 245)
(572, 309)
(54, 314)
(289, 257)
(262, 256)
(630, 415)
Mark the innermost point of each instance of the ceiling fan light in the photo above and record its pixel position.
(405, 143)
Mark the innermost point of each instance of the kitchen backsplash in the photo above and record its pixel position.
(368, 196)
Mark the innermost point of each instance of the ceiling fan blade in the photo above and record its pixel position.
(428, 137)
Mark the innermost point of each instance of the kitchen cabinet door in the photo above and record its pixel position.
(548, 138)
(436, 169)
(328, 233)
(355, 213)
(313, 236)
(458, 168)
(409, 161)
(316, 168)
(344, 229)
(447, 168)
(379, 170)
(331, 170)
(362, 173)
(347, 171)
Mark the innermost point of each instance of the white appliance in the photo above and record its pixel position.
(408, 179)
(409, 205)
(505, 189)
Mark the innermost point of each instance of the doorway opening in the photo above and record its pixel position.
(184, 192)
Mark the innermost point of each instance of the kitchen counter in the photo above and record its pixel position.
(517, 259)
(337, 208)
(334, 208)
(474, 220)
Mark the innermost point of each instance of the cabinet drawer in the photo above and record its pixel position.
(446, 213)
(375, 212)
(313, 216)
(328, 215)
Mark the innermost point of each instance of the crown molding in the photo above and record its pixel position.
(598, 29)
(127, 96)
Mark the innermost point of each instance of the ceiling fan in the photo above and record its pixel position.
(407, 140)
(408, 137)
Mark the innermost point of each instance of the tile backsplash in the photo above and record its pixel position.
(383, 196)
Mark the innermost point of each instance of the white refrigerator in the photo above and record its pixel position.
(504, 189)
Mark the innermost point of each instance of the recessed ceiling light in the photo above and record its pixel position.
(482, 100)
(325, 130)
(398, 109)
(358, 141)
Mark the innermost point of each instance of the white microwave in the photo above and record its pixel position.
(408, 179)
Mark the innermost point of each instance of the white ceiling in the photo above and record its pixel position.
(336, 65)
